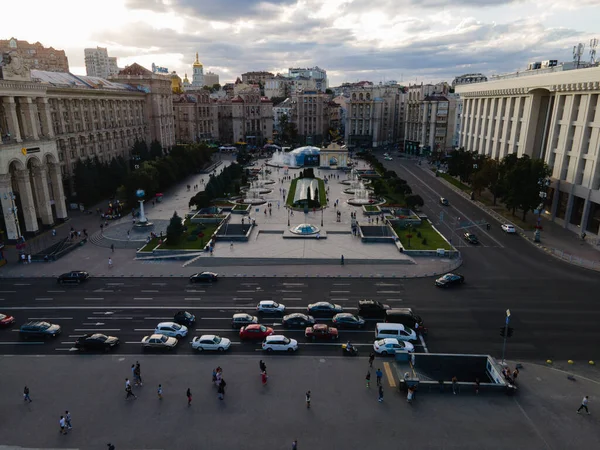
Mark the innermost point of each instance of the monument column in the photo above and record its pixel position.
(58, 190)
(44, 109)
(30, 121)
(26, 196)
(40, 184)
(11, 118)
(11, 219)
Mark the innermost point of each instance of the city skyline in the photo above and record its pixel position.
(353, 40)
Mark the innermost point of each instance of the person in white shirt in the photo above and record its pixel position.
(584, 404)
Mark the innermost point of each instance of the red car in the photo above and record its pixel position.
(255, 332)
(321, 331)
(6, 320)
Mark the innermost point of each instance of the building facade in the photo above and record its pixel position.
(276, 86)
(469, 78)
(247, 117)
(282, 109)
(99, 64)
(196, 117)
(256, 77)
(197, 74)
(210, 79)
(552, 116)
(313, 73)
(310, 113)
(36, 56)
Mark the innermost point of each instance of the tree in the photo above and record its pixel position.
(414, 200)
(492, 170)
(216, 87)
(175, 228)
(156, 150)
(328, 91)
(316, 195)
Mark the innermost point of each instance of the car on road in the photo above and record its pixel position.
(389, 346)
(279, 343)
(347, 320)
(77, 276)
(471, 238)
(171, 329)
(324, 309)
(321, 331)
(270, 307)
(372, 309)
(204, 277)
(388, 158)
(444, 201)
(211, 342)
(240, 320)
(39, 329)
(6, 320)
(184, 318)
(159, 341)
(255, 332)
(404, 316)
(449, 279)
(297, 320)
(508, 228)
(96, 341)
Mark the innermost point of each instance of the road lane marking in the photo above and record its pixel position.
(115, 284)
(49, 318)
(340, 292)
(97, 329)
(335, 299)
(249, 291)
(193, 298)
(341, 284)
(7, 292)
(44, 298)
(149, 290)
(157, 318)
(423, 343)
(21, 343)
(293, 284)
(108, 309)
(75, 335)
(142, 298)
(242, 298)
(55, 292)
(289, 291)
(159, 284)
(110, 318)
(195, 291)
(67, 343)
(389, 374)
(393, 300)
(285, 299)
(22, 284)
(387, 284)
(93, 298)
(388, 292)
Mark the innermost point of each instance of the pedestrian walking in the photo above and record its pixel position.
(515, 375)
(112, 248)
(368, 378)
(129, 390)
(53, 232)
(295, 444)
(379, 374)
(454, 385)
(68, 420)
(477, 386)
(263, 366)
(584, 405)
(189, 396)
(159, 391)
(110, 264)
(62, 423)
(29, 258)
(26, 397)
(110, 446)
(221, 390)
(380, 399)
(264, 378)
(308, 399)
(371, 359)
(128, 235)
(138, 372)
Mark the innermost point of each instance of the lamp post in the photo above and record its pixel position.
(505, 334)
(543, 183)
(288, 210)
(13, 209)
(322, 208)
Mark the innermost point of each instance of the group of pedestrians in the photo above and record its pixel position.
(219, 382)
(378, 375)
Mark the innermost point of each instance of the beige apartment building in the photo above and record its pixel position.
(36, 56)
(554, 116)
(99, 64)
(256, 77)
(247, 117)
(311, 114)
(196, 117)
(211, 78)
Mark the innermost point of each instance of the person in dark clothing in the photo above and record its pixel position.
(221, 389)
(263, 366)
(189, 396)
(371, 359)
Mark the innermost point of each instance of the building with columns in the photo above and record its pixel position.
(196, 117)
(552, 116)
(247, 117)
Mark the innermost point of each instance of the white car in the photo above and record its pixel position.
(508, 228)
(270, 307)
(211, 342)
(389, 346)
(388, 158)
(159, 341)
(279, 343)
(171, 329)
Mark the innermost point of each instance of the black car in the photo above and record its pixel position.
(347, 320)
(39, 329)
(372, 309)
(298, 320)
(96, 342)
(184, 318)
(204, 277)
(324, 309)
(77, 276)
(449, 279)
(471, 238)
(404, 316)
(444, 201)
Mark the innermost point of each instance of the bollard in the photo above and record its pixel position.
(570, 361)
(548, 361)
(591, 363)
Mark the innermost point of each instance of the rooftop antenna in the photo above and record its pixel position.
(593, 45)
(577, 54)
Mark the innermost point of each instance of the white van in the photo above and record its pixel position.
(394, 330)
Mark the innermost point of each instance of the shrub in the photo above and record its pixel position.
(192, 238)
(419, 234)
(424, 241)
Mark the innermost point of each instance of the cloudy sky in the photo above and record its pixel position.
(404, 40)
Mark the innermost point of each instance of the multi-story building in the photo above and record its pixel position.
(50, 120)
(256, 77)
(210, 79)
(342, 101)
(36, 56)
(375, 116)
(469, 78)
(99, 64)
(310, 113)
(313, 73)
(247, 117)
(554, 116)
(278, 86)
(195, 117)
(282, 109)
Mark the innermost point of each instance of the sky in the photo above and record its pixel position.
(378, 40)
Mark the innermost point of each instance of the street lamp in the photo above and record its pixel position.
(13, 209)
(543, 183)
(288, 210)
(505, 333)
(322, 208)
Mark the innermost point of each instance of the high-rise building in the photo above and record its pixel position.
(36, 56)
(210, 79)
(310, 113)
(195, 117)
(99, 64)
(314, 73)
(554, 116)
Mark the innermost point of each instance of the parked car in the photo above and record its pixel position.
(159, 341)
(270, 307)
(171, 329)
(388, 158)
(297, 320)
(6, 320)
(372, 309)
(389, 346)
(211, 342)
(324, 309)
(471, 238)
(96, 341)
(204, 277)
(279, 343)
(449, 279)
(255, 332)
(240, 320)
(184, 318)
(321, 331)
(508, 228)
(444, 201)
(347, 320)
(77, 276)
(39, 329)
(405, 316)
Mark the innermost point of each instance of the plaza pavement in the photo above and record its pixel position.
(344, 415)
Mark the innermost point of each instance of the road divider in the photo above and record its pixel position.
(389, 374)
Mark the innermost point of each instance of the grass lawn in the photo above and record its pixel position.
(322, 192)
(434, 240)
(455, 182)
(240, 207)
(290, 197)
(371, 208)
(183, 243)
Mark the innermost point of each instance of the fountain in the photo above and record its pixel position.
(357, 186)
(305, 229)
(281, 159)
(263, 180)
(142, 223)
(361, 197)
(253, 195)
